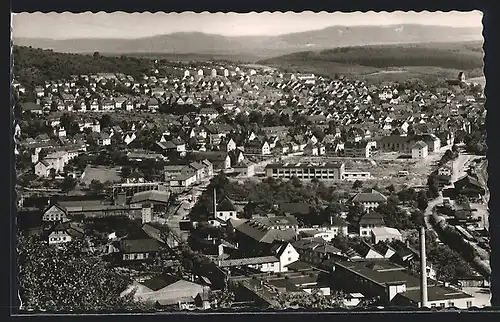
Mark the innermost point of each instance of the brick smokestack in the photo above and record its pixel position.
(215, 203)
(423, 269)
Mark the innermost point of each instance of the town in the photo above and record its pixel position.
(215, 185)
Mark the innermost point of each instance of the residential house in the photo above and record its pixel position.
(42, 168)
(103, 139)
(245, 168)
(432, 141)
(385, 234)
(361, 149)
(64, 232)
(369, 221)
(236, 156)
(369, 200)
(225, 210)
(470, 187)
(227, 144)
(55, 213)
(219, 160)
(315, 251)
(182, 181)
(137, 248)
(419, 150)
(209, 112)
(311, 149)
(286, 253)
(32, 107)
(255, 237)
(257, 146)
(129, 137)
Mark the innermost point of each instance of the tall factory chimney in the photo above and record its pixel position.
(423, 269)
(215, 203)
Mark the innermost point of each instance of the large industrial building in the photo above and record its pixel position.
(325, 171)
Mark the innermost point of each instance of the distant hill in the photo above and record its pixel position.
(260, 46)
(370, 59)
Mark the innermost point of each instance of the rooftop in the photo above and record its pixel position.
(154, 196)
(324, 165)
(248, 261)
(381, 272)
(436, 293)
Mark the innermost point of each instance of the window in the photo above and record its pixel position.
(451, 304)
(442, 305)
(433, 305)
(469, 304)
(289, 259)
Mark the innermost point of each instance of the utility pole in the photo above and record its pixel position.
(423, 269)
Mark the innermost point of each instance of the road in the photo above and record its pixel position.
(482, 174)
(183, 210)
(460, 165)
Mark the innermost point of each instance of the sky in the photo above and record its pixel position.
(137, 25)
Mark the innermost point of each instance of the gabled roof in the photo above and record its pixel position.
(372, 217)
(225, 205)
(373, 196)
(154, 196)
(139, 245)
(419, 145)
(71, 228)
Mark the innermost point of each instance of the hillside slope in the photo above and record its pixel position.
(369, 59)
(35, 66)
(262, 46)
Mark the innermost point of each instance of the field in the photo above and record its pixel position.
(388, 62)
(385, 167)
(102, 174)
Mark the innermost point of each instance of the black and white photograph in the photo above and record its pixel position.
(220, 162)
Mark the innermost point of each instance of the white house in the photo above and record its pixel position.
(225, 210)
(286, 254)
(64, 233)
(385, 234)
(419, 150)
(54, 214)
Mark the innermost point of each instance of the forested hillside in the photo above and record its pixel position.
(367, 59)
(34, 66)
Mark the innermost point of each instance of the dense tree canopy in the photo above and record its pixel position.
(33, 67)
(67, 279)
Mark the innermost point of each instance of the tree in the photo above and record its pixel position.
(68, 184)
(417, 217)
(52, 173)
(295, 181)
(316, 300)
(96, 55)
(224, 298)
(432, 183)
(407, 195)
(422, 201)
(105, 121)
(358, 184)
(67, 279)
(126, 172)
(356, 211)
(96, 186)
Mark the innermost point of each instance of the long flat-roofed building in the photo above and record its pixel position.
(325, 171)
(396, 286)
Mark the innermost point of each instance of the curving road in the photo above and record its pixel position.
(459, 170)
